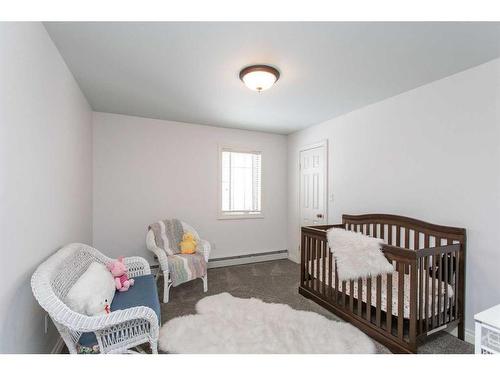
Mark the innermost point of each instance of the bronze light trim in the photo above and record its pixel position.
(259, 68)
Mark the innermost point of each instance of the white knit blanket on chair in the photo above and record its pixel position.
(357, 255)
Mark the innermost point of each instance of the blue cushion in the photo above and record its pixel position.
(142, 293)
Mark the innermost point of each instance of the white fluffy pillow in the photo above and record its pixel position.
(93, 290)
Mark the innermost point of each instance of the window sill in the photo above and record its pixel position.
(239, 216)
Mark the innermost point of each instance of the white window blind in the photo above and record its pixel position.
(241, 183)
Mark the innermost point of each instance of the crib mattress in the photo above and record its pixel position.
(395, 287)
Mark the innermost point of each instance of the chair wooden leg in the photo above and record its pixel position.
(205, 283)
(154, 347)
(166, 288)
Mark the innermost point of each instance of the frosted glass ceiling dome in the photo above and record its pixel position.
(259, 77)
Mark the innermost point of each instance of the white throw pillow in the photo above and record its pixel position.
(93, 290)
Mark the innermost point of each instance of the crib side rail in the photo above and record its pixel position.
(419, 235)
(394, 252)
(440, 293)
(386, 323)
(311, 237)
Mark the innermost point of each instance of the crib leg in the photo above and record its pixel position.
(461, 331)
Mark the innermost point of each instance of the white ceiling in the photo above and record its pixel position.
(188, 72)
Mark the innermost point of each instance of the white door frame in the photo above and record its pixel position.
(323, 143)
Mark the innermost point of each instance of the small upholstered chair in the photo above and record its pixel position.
(135, 315)
(163, 256)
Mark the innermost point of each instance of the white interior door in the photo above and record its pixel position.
(313, 185)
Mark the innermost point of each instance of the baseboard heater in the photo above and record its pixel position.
(247, 258)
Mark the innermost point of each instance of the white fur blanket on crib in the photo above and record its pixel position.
(357, 255)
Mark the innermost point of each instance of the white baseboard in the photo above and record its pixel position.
(245, 259)
(293, 258)
(469, 334)
(58, 347)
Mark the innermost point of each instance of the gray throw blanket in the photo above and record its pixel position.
(181, 267)
(168, 235)
(186, 267)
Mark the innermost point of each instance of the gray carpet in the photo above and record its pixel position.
(275, 281)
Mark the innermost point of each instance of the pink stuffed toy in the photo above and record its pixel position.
(119, 272)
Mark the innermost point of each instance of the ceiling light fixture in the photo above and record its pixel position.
(259, 77)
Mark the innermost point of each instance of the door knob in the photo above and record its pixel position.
(319, 216)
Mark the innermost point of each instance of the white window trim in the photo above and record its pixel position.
(221, 215)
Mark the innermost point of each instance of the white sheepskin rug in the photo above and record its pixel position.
(357, 255)
(226, 324)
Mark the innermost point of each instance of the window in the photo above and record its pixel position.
(240, 184)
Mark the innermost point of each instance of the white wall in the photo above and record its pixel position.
(432, 153)
(146, 170)
(45, 175)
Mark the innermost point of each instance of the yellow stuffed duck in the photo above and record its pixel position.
(188, 244)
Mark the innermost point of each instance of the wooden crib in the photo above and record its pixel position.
(424, 295)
